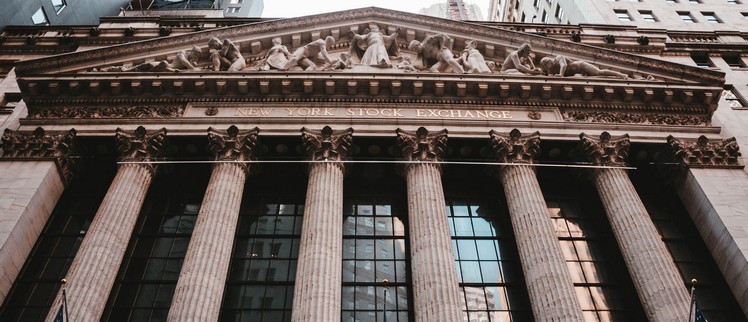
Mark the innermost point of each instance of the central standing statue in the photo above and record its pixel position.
(374, 48)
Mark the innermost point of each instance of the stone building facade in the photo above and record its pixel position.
(284, 169)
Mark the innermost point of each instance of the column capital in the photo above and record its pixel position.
(515, 148)
(327, 145)
(705, 154)
(140, 145)
(232, 144)
(422, 145)
(42, 145)
(607, 150)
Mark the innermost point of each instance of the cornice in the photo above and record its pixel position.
(592, 53)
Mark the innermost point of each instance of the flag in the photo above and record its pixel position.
(60, 316)
(698, 316)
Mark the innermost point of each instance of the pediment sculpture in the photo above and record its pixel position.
(374, 48)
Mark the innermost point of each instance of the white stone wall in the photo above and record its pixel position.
(29, 191)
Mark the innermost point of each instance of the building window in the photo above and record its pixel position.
(233, 9)
(734, 61)
(648, 16)
(711, 17)
(702, 60)
(374, 249)
(733, 2)
(150, 268)
(745, 15)
(686, 16)
(536, 4)
(40, 17)
(545, 17)
(623, 15)
(236, 1)
(58, 5)
(559, 12)
(734, 99)
(671, 1)
(694, 1)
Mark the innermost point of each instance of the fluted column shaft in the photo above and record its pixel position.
(657, 281)
(199, 291)
(549, 285)
(317, 292)
(436, 291)
(95, 267)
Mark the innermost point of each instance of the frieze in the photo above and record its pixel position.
(635, 118)
(430, 23)
(704, 153)
(42, 145)
(171, 111)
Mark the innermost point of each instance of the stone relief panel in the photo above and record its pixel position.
(170, 111)
(635, 118)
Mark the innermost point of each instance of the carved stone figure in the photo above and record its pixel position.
(374, 48)
(344, 62)
(518, 61)
(277, 56)
(473, 59)
(227, 55)
(185, 60)
(434, 54)
(563, 67)
(406, 65)
(303, 55)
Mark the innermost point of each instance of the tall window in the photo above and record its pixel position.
(487, 265)
(647, 16)
(233, 9)
(623, 15)
(58, 5)
(40, 17)
(702, 60)
(734, 61)
(374, 249)
(711, 17)
(686, 16)
(263, 265)
(150, 269)
(734, 99)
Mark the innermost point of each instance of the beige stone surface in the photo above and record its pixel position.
(95, 267)
(716, 201)
(657, 281)
(317, 291)
(29, 191)
(549, 284)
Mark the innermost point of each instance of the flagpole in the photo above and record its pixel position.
(690, 304)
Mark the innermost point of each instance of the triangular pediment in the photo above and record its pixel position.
(110, 73)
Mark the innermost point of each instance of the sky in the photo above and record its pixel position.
(296, 8)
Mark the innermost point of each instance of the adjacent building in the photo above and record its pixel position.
(58, 12)
(452, 172)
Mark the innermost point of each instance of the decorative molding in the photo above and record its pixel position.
(233, 145)
(515, 148)
(705, 154)
(635, 118)
(422, 145)
(607, 150)
(327, 145)
(141, 145)
(42, 145)
(169, 111)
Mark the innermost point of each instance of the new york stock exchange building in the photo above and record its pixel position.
(369, 165)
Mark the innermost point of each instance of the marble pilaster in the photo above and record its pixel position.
(200, 287)
(436, 294)
(317, 292)
(549, 284)
(92, 273)
(660, 287)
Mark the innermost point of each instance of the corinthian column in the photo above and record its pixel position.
(436, 294)
(549, 285)
(657, 281)
(199, 290)
(94, 268)
(319, 270)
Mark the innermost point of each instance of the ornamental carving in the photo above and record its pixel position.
(232, 144)
(607, 150)
(422, 145)
(703, 153)
(109, 112)
(612, 117)
(140, 145)
(515, 148)
(42, 145)
(327, 145)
